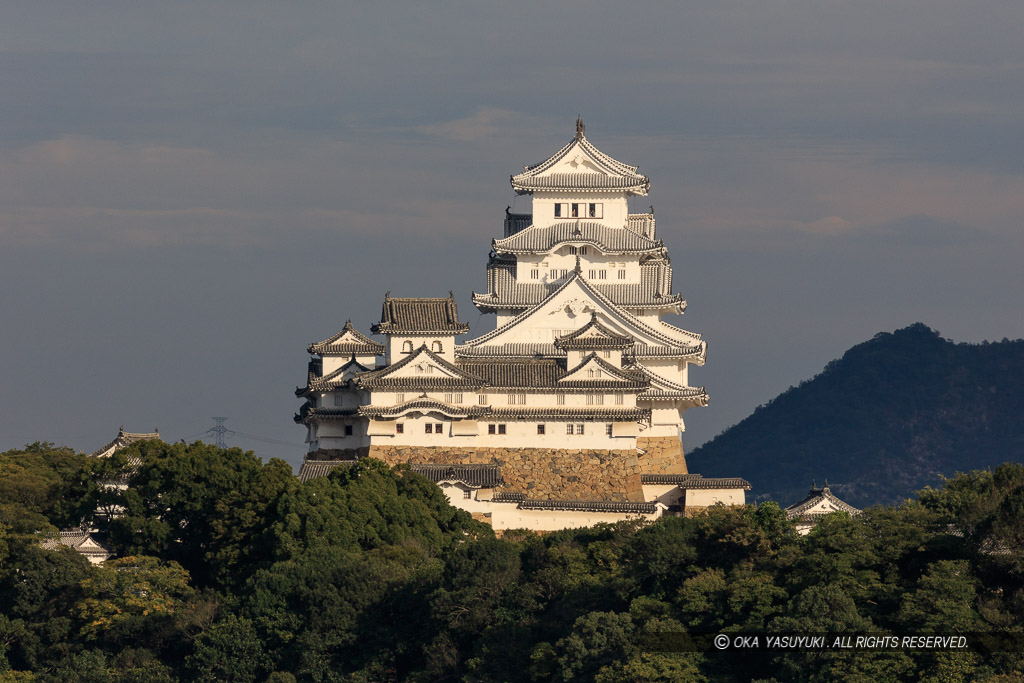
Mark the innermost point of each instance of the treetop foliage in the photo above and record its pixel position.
(228, 569)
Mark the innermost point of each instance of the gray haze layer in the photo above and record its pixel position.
(191, 192)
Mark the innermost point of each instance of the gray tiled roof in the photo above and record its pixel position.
(307, 413)
(535, 350)
(581, 181)
(311, 469)
(695, 481)
(536, 240)
(356, 343)
(590, 506)
(508, 497)
(123, 440)
(545, 374)
(474, 476)
(424, 405)
(419, 316)
(653, 290)
(614, 174)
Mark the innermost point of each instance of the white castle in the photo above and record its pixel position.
(571, 410)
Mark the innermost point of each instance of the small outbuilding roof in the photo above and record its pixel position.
(419, 316)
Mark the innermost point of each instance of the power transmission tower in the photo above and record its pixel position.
(219, 432)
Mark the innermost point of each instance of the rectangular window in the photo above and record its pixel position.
(622, 274)
(568, 429)
(535, 274)
(399, 428)
(501, 429)
(561, 210)
(608, 430)
(458, 398)
(554, 274)
(540, 429)
(579, 429)
(482, 399)
(338, 400)
(491, 428)
(595, 399)
(449, 398)
(429, 428)
(592, 274)
(594, 210)
(602, 275)
(467, 494)
(606, 354)
(618, 399)
(572, 250)
(558, 210)
(348, 430)
(560, 399)
(583, 251)
(564, 273)
(438, 428)
(575, 210)
(399, 398)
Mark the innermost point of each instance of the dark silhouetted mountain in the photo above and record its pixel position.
(893, 415)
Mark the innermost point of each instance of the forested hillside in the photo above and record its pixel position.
(893, 415)
(228, 569)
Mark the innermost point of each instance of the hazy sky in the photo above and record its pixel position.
(190, 192)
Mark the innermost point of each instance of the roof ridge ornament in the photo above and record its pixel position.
(578, 269)
(580, 128)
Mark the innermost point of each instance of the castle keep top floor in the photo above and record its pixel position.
(579, 182)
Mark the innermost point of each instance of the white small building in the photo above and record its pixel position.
(83, 541)
(818, 502)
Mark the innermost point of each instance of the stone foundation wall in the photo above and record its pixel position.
(540, 473)
(338, 453)
(664, 455)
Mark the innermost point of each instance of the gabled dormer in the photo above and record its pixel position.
(594, 372)
(594, 338)
(409, 323)
(347, 344)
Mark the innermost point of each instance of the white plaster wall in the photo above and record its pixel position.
(332, 362)
(396, 342)
(615, 207)
(508, 516)
(669, 494)
(456, 497)
(709, 497)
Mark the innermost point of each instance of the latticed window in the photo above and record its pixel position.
(429, 428)
(622, 274)
(568, 429)
(595, 399)
(458, 398)
(516, 399)
(560, 399)
(449, 398)
(467, 494)
(579, 429)
(535, 274)
(338, 399)
(439, 428)
(602, 275)
(482, 399)
(399, 428)
(540, 429)
(399, 398)
(492, 429)
(619, 399)
(583, 251)
(501, 429)
(608, 429)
